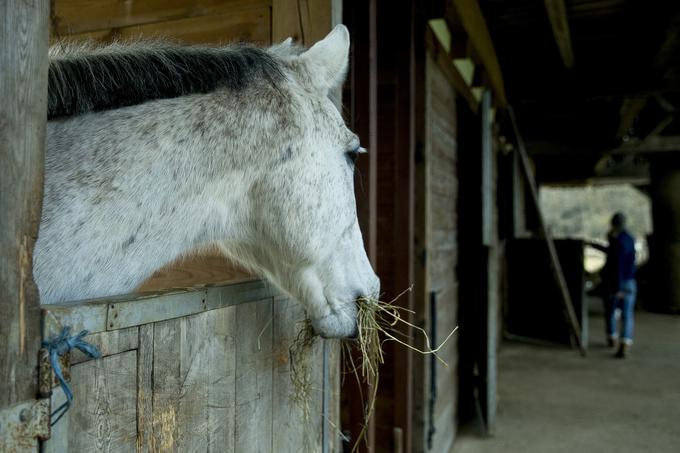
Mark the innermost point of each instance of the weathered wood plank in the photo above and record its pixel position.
(132, 310)
(306, 21)
(145, 388)
(293, 430)
(167, 385)
(474, 24)
(103, 416)
(251, 25)
(194, 386)
(557, 14)
(442, 256)
(236, 294)
(222, 383)
(79, 315)
(335, 381)
(23, 90)
(253, 416)
(442, 57)
(133, 313)
(109, 343)
(77, 16)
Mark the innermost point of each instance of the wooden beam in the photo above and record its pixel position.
(630, 108)
(570, 313)
(557, 14)
(653, 144)
(361, 97)
(437, 45)
(472, 21)
(305, 21)
(23, 90)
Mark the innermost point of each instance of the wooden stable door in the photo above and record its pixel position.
(204, 371)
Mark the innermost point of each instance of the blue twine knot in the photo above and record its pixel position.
(58, 347)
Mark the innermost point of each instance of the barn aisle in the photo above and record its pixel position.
(552, 400)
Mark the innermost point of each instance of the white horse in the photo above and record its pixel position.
(155, 151)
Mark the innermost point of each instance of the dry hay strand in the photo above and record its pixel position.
(300, 352)
(378, 322)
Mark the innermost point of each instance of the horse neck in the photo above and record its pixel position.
(170, 200)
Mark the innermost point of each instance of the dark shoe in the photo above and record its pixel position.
(610, 342)
(623, 350)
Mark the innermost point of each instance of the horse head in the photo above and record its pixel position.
(302, 221)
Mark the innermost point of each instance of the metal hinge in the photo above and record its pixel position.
(47, 380)
(23, 424)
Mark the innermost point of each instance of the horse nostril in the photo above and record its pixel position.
(359, 295)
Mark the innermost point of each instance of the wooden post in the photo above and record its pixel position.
(665, 246)
(23, 90)
(557, 14)
(361, 100)
(490, 244)
(396, 176)
(570, 313)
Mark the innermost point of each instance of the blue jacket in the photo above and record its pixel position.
(620, 265)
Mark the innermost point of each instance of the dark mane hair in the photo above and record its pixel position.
(84, 78)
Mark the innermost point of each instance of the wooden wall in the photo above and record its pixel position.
(191, 21)
(23, 84)
(438, 186)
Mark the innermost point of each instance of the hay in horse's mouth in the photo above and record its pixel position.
(377, 323)
(300, 366)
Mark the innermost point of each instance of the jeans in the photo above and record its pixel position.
(627, 306)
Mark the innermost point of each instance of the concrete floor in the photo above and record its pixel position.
(553, 400)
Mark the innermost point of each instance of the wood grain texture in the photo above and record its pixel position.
(440, 187)
(292, 432)
(108, 343)
(334, 398)
(78, 16)
(145, 388)
(214, 381)
(193, 383)
(306, 21)
(251, 25)
(444, 60)
(473, 22)
(253, 415)
(103, 416)
(23, 90)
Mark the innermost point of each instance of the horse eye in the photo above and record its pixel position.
(352, 156)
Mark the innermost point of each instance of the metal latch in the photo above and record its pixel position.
(23, 424)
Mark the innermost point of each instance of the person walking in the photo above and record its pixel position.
(618, 279)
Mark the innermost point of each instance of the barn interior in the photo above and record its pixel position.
(472, 111)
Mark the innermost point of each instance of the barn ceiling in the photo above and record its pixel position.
(619, 81)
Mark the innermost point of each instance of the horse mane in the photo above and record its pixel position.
(86, 77)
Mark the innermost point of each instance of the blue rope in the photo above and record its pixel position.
(58, 347)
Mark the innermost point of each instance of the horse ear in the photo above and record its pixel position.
(329, 58)
(284, 48)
